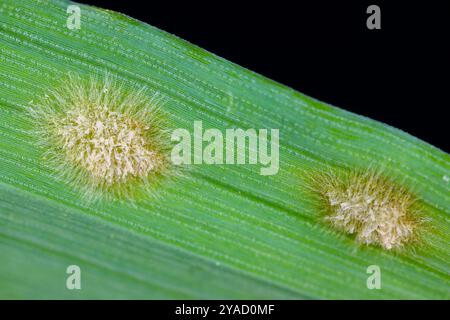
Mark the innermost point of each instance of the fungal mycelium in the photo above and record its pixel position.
(368, 205)
(106, 138)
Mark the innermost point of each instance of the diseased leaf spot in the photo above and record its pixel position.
(110, 145)
(376, 210)
(103, 136)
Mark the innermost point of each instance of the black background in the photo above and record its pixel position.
(398, 75)
(158, 309)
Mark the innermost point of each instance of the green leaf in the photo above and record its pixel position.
(216, 231)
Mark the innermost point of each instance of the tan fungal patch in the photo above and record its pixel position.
(105, 137)
(371, 207)
(110, 145)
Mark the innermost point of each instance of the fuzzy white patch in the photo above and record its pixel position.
(377, 211)
(104, 136)
(109, 145)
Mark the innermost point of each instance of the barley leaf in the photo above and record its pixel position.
(216, 231)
